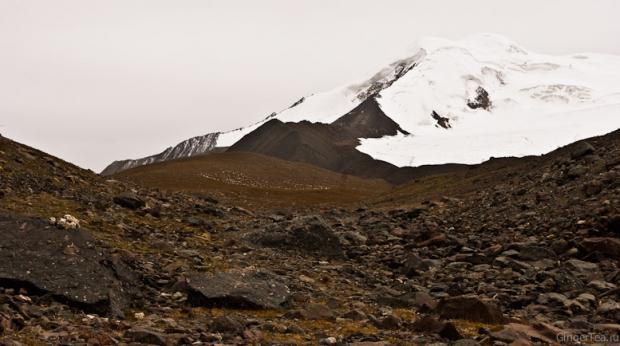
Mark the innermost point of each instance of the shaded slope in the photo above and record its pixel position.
(317, 144)
(332, 146)
(368, 121)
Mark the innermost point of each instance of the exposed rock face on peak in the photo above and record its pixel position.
(330, 146)
(441, 121)
(191, 147)
(368, 121)
(481, 100)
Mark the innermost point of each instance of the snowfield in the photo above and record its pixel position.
(472, 142)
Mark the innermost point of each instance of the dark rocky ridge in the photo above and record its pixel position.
(188, 148)
(368, 121)
(332, 146)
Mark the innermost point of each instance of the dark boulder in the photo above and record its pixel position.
(226, 324)
(129, 201)
(310, 235)
(318, 312)
(529, 252)
(145, 336)
(470, 308)
(481, 100)
(613, 225)
(581, 149)
(441, 121)
(432, 325)
(605, 246)
(35, 256)
(252, 290)
(414, 265)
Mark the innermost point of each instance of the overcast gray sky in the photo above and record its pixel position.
(95, 81)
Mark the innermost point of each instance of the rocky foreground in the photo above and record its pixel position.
(531, 260)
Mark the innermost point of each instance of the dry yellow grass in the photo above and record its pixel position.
(257, 182)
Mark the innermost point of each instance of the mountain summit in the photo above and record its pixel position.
(460, 102)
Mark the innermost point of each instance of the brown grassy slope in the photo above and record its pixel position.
(256, 181)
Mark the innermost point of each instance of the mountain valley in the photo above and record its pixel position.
(466, 194)
(512, 250)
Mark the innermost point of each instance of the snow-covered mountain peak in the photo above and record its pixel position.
(530, 96)
(467, 100)
(451, 73)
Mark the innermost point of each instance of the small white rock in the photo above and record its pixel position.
(24, 299)
(68, 222)
(329, 341)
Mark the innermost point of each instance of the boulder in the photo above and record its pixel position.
(390, 322)
(310, 235)
(253, 290)
(145, 336)
(414, 265)
(581, 149)
(226, 324)
(613, 226)
(606, 246)
(515, 333)
(67, 265)
(582, 269)
(432, 325)
(317, 312)
(421, 301)
(470, 308)
(576, 171)
(534, 252)
(129, 201)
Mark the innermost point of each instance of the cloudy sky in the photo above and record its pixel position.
(95, 81)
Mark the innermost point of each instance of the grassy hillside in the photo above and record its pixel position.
(256, 181)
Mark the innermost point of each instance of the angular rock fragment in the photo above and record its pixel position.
(606, 246)
(226, 324)
(413, 265)
(308, 234)
(432, 325)
(317, 312)
(470, 308)
(129, 201)
(581, 149)
(38, 258)
(145, 336)
(252, 290)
